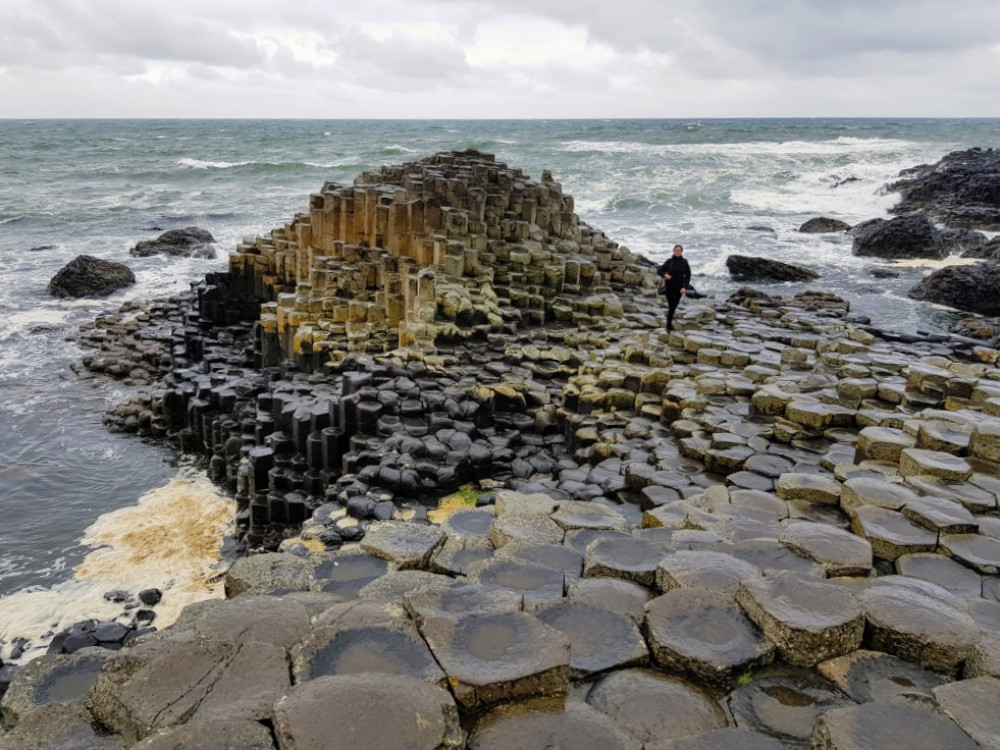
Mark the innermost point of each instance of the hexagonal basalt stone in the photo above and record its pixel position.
(574, 725)
(941, 570)
(941, 515)
(628, 558)
(874, 676)
(267, 573)
(813, 488)
(583, 515)
(58, 726)
(979, 552)
(760, 504)
(888, 725)
(457, 553)
(600, 640)
(883, 443)
(408, 545)
(532, 528)
(384, 711)
(891, 534)
(346, 572)
(536, 583)
(808, 621)
(771, 556)
(517, 503)
(814, 415)
(55, 678)
(702, 569)
(720, 739)
(972, 705)
(461, 600)
(918, 621)
(985, 441)
(704, 634)
(858, 491)
(974, 498)
(208, 734)
(469, 522)
(394, 649)
(653, 706)
(783, 703)
(394, 585)
(769, 465)
(499, 658)
(917, 462)
(943, 436)
(840, 552)
(556, 556)
(610, 593)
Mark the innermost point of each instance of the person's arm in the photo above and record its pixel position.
(687, 273)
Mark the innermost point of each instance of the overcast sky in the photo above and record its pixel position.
(499, 58)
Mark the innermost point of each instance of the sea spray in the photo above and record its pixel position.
(171, 539)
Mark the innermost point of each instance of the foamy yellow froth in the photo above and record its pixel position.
(951, 260)
(169, 540)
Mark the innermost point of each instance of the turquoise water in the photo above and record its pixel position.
(97, 187)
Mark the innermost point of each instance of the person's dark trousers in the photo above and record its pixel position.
(673, 299)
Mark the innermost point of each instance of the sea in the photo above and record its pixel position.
(84, 511)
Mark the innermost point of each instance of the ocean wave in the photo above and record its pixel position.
(199, 164)
(396, 149)
(840, 145)
(11, 219)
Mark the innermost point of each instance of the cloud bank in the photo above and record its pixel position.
(487, 58)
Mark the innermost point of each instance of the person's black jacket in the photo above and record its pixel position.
(679, 270)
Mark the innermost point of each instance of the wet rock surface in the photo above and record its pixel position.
(959, 190)
(969, 288)
(191, 242)
(747, 268)
(479, 443)
(86, 276)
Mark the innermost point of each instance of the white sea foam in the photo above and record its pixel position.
(842, 145)
(199, 164)
(169, 540)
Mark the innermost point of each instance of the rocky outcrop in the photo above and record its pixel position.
(824, 225)
(910, 236)
(987, 251)
(961, 190)
(747, 268)
(86, 276)
(973, 288)
(191, 242)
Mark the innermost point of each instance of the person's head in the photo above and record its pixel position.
(678, 251)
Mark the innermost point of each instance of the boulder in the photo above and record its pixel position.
(961, 190)
(824, 225)
(747, 268)
(190, 242)
(973, 288)
(910, 236)
(987, 251)
(86, 276)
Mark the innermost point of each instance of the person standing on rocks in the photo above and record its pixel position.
(676, 275)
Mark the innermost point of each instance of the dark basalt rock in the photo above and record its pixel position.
(86, 276)
(974, 288)
(747, 268)
(824, 225)
(961, 190)
(987, 251)
(909, 236)
(191, 242)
